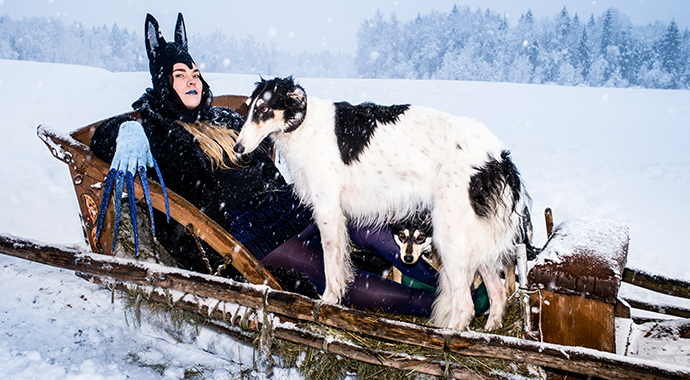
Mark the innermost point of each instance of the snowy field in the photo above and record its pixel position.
(597, 152)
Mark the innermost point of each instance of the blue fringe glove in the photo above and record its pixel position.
(132, 155)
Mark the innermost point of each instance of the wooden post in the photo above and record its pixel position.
(577, 275)
(573, 320)
(548, 217)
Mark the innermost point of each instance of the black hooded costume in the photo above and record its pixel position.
(252, 202)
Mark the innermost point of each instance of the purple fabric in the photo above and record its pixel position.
(369, 291)
(381, 241)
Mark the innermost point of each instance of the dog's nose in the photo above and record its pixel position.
(239, 148)
(407, 259)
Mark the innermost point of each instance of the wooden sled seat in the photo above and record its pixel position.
(88, 173)
(578, 274)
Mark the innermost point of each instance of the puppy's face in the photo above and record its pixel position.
(412, 240)
(276, 106)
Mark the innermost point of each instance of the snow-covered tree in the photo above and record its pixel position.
(670, 54)
(462, 44)
(583, 60)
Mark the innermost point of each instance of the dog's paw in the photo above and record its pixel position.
(461, 320)
(493, 323)
(330, 297)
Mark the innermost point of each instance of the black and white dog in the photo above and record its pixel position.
(373, 163)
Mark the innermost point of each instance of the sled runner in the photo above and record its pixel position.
(245, 310)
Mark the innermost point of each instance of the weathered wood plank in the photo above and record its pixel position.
(657, 283)
(134, 271)
(676, 311)
(573, 320)
(294, 334)
(572, 359)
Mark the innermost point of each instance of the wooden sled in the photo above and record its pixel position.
(212, 296)
(88, 172)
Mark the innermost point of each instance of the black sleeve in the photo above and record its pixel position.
(226, 117)
(104, 139)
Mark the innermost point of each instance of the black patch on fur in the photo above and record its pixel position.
(355, 125)
(284, 95)
(489, 182)
(526, 234)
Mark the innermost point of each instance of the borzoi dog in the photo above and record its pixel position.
(371, 164)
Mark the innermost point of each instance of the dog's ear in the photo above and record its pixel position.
(296, 109)
(429, 224)
(181, 32)
(154, 37)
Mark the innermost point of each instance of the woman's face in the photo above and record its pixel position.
(187, 84)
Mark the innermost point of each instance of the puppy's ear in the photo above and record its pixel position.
(181, 32)
(154, 37)
(296, 109)
(429, 224)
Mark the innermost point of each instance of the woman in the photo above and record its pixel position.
(192, 142)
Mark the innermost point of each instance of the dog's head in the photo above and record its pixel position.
(276, 106)
(413, 236)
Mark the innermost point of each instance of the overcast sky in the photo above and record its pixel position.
(315, 25)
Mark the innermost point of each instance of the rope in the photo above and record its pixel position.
(189, 230)
(525, 293)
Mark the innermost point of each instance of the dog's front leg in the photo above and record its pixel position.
(336, 253)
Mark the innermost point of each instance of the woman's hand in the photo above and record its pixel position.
(132, 155)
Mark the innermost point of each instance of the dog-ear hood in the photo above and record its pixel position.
(163, 56)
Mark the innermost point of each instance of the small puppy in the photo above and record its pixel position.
(413, 236)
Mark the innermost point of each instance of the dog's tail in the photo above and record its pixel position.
(496, 187)
(524, 235)
(496, 191)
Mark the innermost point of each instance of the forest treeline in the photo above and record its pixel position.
(462, 44)
(480, 45)
(112, 48)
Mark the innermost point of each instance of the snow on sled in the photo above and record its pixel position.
(566, 312)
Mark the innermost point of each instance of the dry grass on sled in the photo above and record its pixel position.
(166, 312)
(314, 363)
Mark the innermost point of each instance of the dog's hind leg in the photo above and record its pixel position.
(509, 273)
(497, 297)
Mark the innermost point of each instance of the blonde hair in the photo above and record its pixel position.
(214, 141)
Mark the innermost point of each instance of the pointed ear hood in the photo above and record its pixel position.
(154, 38)
(181, 32)
(163, 56)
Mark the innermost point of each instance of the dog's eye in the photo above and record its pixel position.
(401, 235)
(263, 108)
(421, 238)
